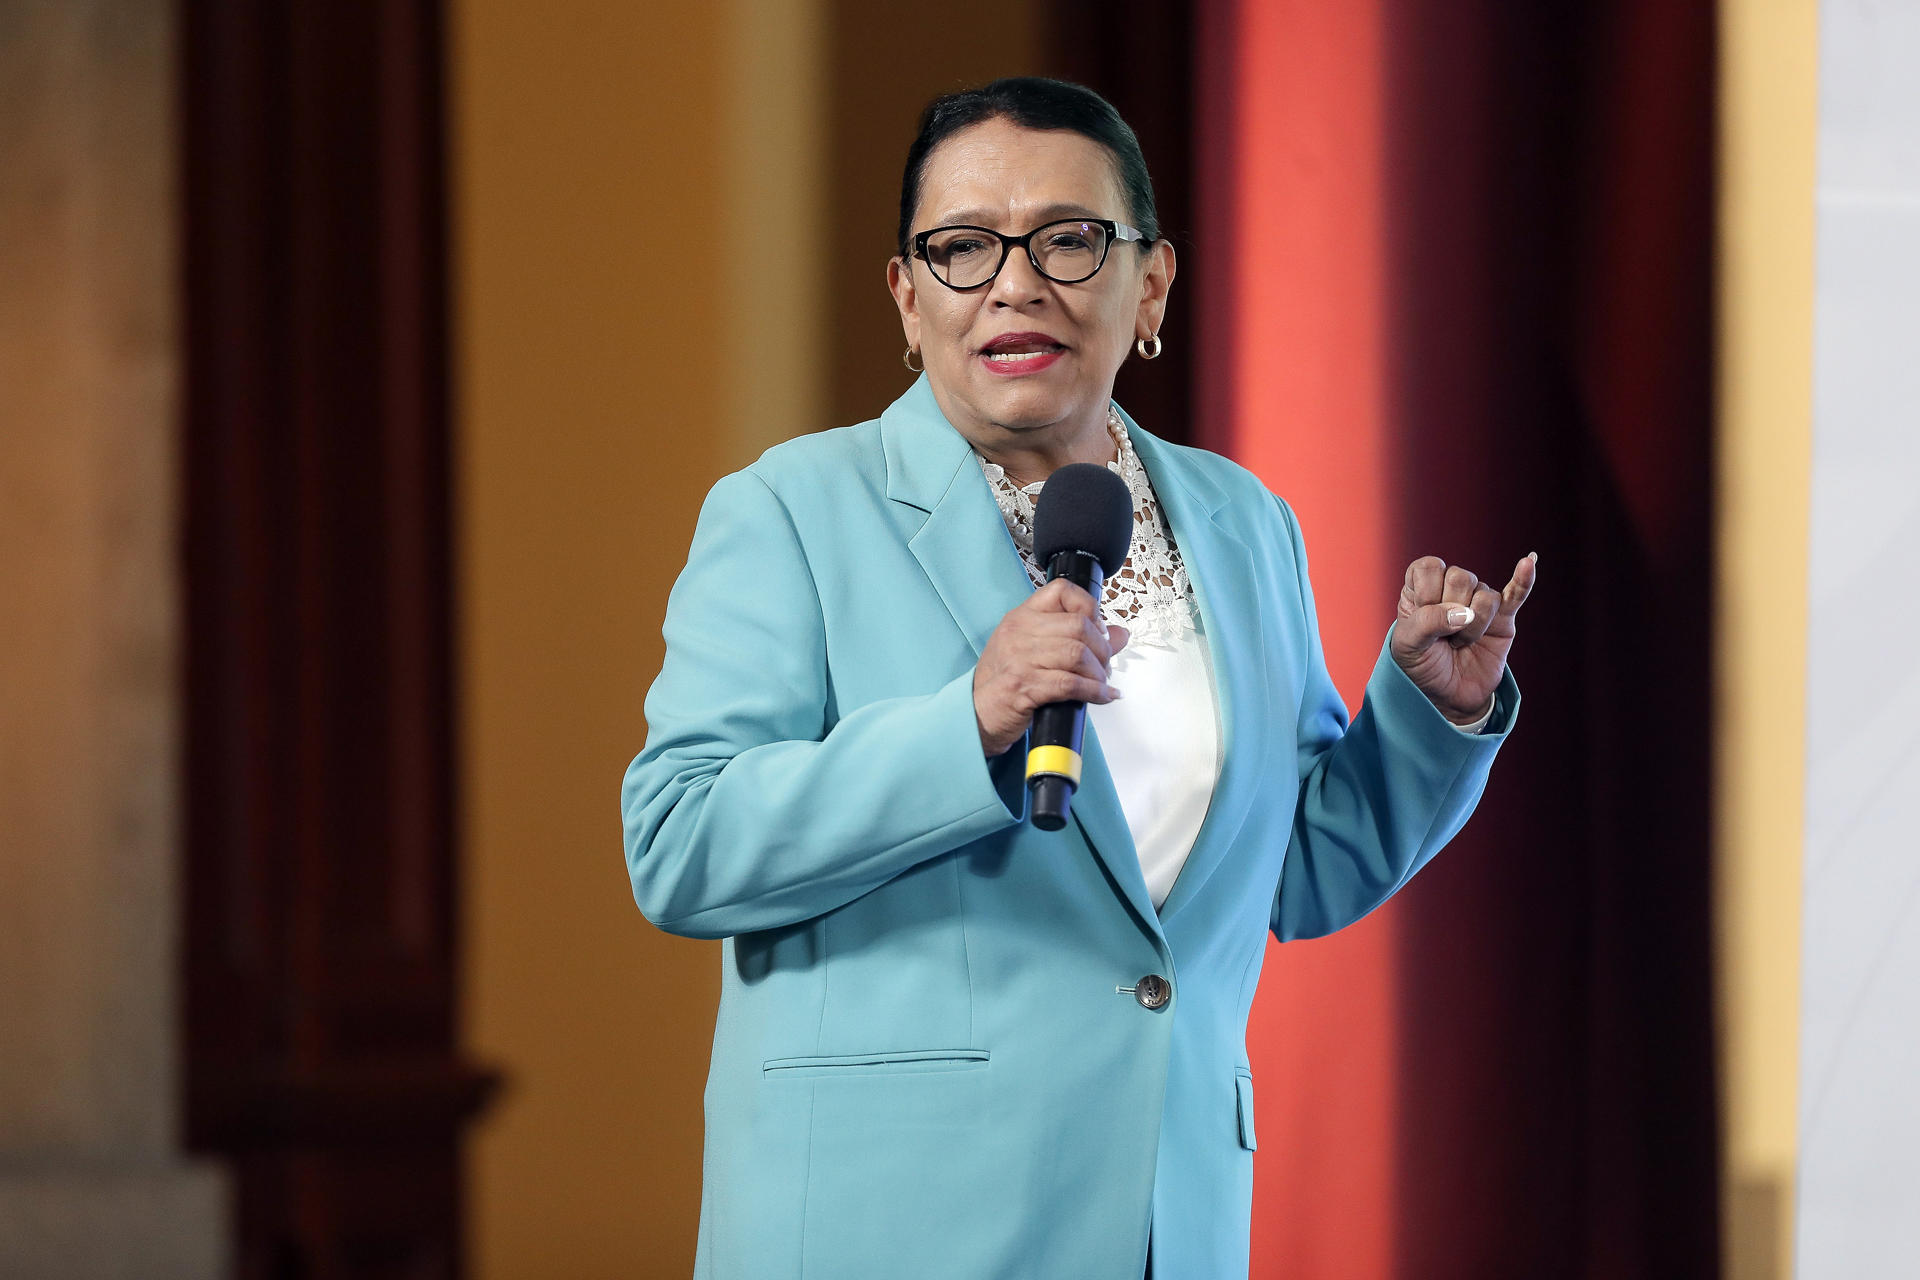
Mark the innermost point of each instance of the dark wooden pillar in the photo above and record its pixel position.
(320, 1051)
(1139, 56)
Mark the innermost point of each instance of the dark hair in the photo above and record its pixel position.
(1033, 102)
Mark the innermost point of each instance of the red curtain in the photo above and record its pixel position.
(1455, 289)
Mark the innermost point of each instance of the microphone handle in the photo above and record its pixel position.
(1053, 750)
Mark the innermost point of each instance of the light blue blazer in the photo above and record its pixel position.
(927, 1061)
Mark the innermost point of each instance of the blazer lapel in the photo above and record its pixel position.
(964, 546)
(1220, 565)
(969, 557)
(1096, 808)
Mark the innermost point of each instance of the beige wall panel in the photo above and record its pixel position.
(775, 213)
(1768, 118)
(92, 1183)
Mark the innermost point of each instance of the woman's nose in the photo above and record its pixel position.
(1018, 281)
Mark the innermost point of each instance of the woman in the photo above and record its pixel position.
(949, 1043)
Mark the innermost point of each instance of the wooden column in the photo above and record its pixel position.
(320, 958)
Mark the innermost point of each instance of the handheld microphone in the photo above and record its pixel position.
(1082, 527)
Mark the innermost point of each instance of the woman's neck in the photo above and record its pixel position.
(1030, 456)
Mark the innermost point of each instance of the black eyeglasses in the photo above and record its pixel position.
(1065, 252)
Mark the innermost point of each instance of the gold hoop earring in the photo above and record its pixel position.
(906, 358)
(1149, 348)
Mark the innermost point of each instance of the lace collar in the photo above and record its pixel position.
(1151, 595)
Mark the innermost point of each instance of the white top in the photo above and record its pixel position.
(1161, 738)
(1162, 744)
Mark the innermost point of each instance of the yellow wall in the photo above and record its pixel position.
(590, 346)
(618, 348)
(1768, 117)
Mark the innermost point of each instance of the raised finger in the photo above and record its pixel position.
(1521, 585)
(1425, 579)
(1459, 585)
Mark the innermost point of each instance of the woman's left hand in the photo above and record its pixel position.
(1453, 631)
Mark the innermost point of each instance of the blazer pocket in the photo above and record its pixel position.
(1243, 1087)
(896, 1062)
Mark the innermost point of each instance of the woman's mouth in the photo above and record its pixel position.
(1020, 353)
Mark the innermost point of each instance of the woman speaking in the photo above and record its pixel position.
(952, 1043)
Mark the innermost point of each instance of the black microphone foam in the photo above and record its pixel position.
(1084, 506)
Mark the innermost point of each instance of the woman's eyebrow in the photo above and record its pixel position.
(979, 217)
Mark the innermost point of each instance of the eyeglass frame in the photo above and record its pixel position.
(1117, 233)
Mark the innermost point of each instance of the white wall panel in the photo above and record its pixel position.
(1859, 1116)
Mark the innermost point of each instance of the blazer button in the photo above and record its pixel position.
(1153, 991)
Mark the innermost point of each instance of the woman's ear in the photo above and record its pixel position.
(1156, 282)
(905, 297)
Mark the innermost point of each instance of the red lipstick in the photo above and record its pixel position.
(1013, 355)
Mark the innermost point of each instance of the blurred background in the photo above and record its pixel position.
(363, 367)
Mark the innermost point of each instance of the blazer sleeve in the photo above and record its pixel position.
(747, 809)
(1379, 796)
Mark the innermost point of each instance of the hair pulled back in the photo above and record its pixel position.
(1032, 102)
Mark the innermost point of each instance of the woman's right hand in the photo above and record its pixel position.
(1049, 648)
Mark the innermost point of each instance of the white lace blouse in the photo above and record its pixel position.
(1161, 738)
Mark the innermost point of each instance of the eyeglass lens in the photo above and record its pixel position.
(1066, 252)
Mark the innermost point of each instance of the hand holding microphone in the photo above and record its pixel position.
(1050, 648)
(1050, 656)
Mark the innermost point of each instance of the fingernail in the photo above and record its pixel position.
(1114, 693)
(1533, 555)
(1459, 617)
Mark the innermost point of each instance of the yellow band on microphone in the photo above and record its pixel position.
(1061, 761)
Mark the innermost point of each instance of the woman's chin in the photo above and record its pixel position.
(1026, 407)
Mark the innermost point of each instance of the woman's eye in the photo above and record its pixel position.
(961, 248)
(1064, 241)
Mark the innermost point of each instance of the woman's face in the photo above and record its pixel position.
(979, 345)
